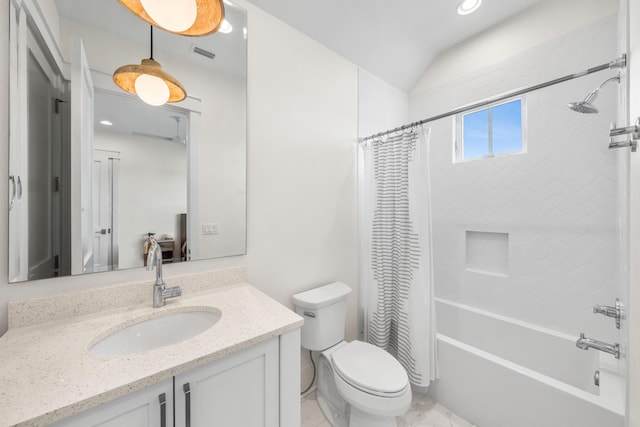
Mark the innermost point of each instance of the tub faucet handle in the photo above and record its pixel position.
(615, 311)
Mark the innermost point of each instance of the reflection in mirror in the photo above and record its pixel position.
(149, 156)
(93, 169)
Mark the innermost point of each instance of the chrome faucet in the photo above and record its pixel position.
(587, 343)
(160, 293)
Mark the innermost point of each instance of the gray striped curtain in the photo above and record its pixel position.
(396, 262)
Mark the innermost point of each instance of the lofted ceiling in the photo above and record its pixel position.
(395, 40)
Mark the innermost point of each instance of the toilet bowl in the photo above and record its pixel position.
(359, 384)
(373, 384)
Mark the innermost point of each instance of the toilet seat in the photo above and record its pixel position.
(370, 369)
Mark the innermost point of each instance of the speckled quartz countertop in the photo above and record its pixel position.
(47, 373)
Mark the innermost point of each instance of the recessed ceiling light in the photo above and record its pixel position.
(466, 7)
(106, 123)
(225, 27)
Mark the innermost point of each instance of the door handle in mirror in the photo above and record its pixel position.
(12, 181)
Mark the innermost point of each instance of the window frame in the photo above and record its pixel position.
(458, 143)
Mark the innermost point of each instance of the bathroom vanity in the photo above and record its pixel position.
(244, 370)
(238, 390)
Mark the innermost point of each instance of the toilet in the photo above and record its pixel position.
(359, 384)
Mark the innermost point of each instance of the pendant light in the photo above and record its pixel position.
(149, 81)
(185, 17)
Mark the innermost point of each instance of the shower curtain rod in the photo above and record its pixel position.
(620, 62)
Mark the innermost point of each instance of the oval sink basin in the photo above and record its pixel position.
(150, 334)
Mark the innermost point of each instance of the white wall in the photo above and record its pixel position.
(302, 129)
(557, 202)
(380, 105)
(140, 211)
(301, 164)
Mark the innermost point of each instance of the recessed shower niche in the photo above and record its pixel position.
(487, 253)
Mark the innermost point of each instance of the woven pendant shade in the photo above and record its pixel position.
(210, 14)
(125, 77)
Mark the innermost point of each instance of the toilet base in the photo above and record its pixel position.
(357, 418)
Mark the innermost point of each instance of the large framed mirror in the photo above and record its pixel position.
(94, 171)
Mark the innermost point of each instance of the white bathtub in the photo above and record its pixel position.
(499, 372)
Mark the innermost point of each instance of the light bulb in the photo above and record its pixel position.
(172, 15)
(466, 7)
(151, 89)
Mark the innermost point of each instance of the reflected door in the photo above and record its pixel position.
(43, 187)
(104, 209)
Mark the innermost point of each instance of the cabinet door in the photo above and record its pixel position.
(241, 390)
(151, 407)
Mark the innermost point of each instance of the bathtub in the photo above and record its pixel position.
(500, 372)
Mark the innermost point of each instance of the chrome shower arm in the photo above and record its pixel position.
(593, 95)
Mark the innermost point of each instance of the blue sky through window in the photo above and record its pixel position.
(507, 127)
(476, 134)
(498, 133)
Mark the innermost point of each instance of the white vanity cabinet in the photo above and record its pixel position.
(150, 407)
(239, 390)
(242, 389)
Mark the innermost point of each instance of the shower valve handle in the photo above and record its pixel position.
(615, 312)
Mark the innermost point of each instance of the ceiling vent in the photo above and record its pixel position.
(203, 52)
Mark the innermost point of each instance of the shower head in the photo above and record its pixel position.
(583, 107)
(586, 106)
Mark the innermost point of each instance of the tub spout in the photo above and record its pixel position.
(584, 343)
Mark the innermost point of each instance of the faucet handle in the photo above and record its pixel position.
(615, 311)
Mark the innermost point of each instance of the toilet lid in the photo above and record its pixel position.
(369, 368)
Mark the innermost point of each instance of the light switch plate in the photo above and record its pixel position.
(209, 228)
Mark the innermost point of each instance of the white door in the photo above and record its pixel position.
(82, 107)
(37, 90)
(104, 209)
(18, 227)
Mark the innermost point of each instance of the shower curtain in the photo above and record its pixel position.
(395, 250)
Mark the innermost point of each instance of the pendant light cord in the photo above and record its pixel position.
(151, 28)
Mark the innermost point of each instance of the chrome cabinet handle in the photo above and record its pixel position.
(12, 181)
(187, 404)
(163, 410)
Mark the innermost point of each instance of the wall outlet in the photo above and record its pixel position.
(209, 229)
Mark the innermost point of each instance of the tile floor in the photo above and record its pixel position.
(424, 412)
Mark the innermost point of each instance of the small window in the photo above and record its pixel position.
(491, 131)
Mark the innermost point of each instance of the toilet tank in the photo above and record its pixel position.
(324, 310)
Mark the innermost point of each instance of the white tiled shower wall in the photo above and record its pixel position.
(556, 202)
